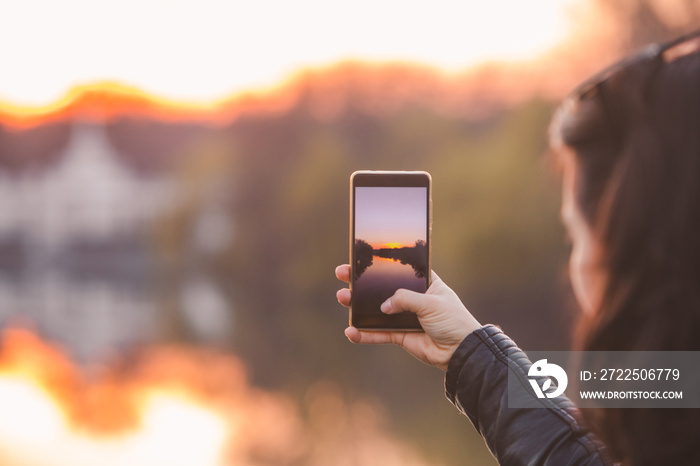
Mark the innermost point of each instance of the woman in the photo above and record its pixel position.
(629, 145)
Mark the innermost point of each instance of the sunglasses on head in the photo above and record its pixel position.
(653, 55)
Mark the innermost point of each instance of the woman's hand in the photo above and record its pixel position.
(440, 312)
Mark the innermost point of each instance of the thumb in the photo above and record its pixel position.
(407, 300)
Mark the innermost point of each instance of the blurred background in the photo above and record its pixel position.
(174, 200)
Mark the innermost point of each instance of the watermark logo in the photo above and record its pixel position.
(542, 369)
(606, 379)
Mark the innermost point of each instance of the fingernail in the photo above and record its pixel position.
(386, 306)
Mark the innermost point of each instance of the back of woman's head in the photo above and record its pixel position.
(634, 137)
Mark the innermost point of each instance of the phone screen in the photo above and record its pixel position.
(390, 244)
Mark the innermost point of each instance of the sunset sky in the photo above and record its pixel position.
(390, 217)
(200, 51)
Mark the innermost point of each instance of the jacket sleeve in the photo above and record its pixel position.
(476, 383)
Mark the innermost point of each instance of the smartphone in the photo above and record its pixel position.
(390, 242)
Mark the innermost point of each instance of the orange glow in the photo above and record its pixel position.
(174, 406)
(378, 86)
(393, 245)
(462, 58)
(108, 100)
(326, 92)
(52, 416)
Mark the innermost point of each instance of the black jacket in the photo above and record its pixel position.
(476, 383)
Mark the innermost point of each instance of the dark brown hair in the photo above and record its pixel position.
(635, 140)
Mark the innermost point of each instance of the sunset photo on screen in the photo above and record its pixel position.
(390, 249)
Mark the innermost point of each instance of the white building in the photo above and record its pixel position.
(95, 297)
(89, 194)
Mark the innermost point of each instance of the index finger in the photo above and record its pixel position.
(343, 272)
